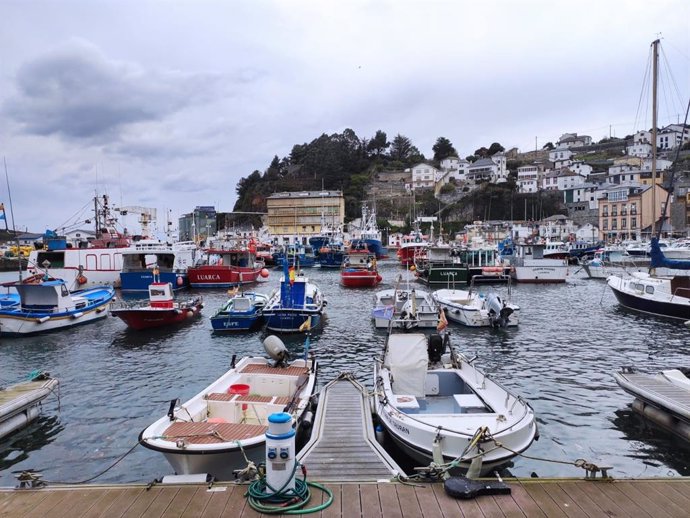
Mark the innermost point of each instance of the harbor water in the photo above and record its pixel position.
(571, 338)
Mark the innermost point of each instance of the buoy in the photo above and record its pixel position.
(412, 268)
(264, 273)
(81, 279)
(180, 281)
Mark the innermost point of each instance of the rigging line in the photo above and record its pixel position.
(673, 172)
(644, 90)
(672, 79)
(75, 215)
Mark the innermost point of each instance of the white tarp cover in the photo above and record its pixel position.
(407, 359)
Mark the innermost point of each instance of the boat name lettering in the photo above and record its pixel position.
(447, 274)
(209, 277)
(400, 428)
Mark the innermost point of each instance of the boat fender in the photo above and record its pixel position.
(380, 433)
(307, 421)
(82, 280)
(464, 488)
(435, 348)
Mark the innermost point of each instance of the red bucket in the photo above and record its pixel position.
(241, 389)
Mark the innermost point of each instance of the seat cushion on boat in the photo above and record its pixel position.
(212, 433)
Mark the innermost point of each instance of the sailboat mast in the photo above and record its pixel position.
(655, 73)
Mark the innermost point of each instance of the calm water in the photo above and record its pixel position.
(570, 339)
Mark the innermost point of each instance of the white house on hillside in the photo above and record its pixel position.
(424, 176)
(489, 169)
(672, 136)
(571, 140)
(528, 177)
(549, 181)
(586, 192)
(642, 144)
(567, 179)
(558, 154)
(581, 168)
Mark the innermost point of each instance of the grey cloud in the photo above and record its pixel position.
(79, 94)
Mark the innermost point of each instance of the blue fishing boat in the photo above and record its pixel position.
(169, 261)
(241, 312)
(297, 254)
(331, 255)
(45, 304)
(369, 235)
(297, 302)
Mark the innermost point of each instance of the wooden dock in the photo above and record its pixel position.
(547, 498)
(343, 446)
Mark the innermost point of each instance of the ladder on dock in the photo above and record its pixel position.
(343, 445)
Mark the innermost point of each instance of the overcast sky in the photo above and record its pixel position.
(168, 104)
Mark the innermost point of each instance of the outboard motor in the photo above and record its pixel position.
(276, 349)
(499, 313)
(435, 348)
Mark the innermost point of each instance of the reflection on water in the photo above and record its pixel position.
(115, 382)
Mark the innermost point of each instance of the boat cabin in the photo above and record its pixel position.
(42, 297)
(161, 295)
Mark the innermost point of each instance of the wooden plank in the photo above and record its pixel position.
(650, 503)
(78, 502)
(570, 506)
(448, 506)
(106, 499)
(371, 506)
(122, 502)
(591, 500)
(334, 510)
(390, 505)
(470, 508)
(628, 506)
(179, 503)
(17, 502)
(351, 505)
(427, 502)
(47, 504)
(508, 506)
(142, 502)
(679, 486)
(678, 502)
(216, 504)
(161, 503)
(198, 503)
(543, 500)
(524, 501)
(409, 505)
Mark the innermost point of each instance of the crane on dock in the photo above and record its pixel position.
(147, 216)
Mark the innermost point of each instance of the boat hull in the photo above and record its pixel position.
(139, 281)
(17, 321)
(147, 318)
(236, 322)
(461, 307)
(352, 278)
(290, 320)
(221, 276)
(81, 268)
(678, 309)
(540, 274)
(21, 403)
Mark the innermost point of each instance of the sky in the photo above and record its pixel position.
(167, 104)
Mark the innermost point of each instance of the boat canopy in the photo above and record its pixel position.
(407, 359)
(659, 260)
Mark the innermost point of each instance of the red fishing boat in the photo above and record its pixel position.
(225, 268)
(413, 248)
(359, 270)
(160, 310)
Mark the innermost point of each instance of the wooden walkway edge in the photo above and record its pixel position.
(657, 498)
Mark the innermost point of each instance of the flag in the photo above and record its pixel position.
(442, 322)
(291, 275)
(306, 326)
(385, 313)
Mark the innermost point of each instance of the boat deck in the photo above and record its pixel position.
(212, 433)
(563, 498)
(646, 386)
(28, 393)
(343, 445)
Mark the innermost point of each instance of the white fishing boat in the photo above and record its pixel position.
(45, 304)
(475, 308)
(662, 296)
(663, 398)
(215, 430)
(613, 261)
(437, 406)
(20, 403)
(528, 264)
(406, 307)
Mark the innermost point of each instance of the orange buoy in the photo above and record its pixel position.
(81, 279)
(264, 272)
(412, 268)
(180, 281)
